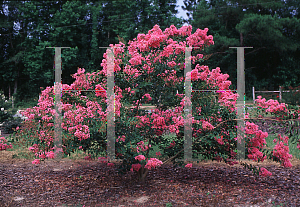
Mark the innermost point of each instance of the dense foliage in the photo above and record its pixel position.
(28, 27)
(270, 27)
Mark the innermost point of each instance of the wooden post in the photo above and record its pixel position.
(215, 96)
(253, 94)
(240, 103)
(57, 98)
(280, 94)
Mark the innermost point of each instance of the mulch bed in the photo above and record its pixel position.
(206, 184)
(91, 183)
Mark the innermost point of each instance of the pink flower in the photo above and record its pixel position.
(190, 165)
(264, 172)
(43, 156)
(88, 157)
(251, 128)
(110, 164)
(140, 157)
(135, 167)
(172, 144)
(102, 159)
(31, 148)
(220, 140)
(121, 138)
(287, 163)
(207, 126)
(100, 91)
(142, 146)
(36, 161)
(50, 155)
(80, 147)
(158, 154)
(153, 162)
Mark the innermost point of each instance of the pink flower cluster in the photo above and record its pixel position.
(200, 38)
(220, 140)
(190, 165)
(50, 155)
(140, 157)
(281, 151)
(141, 146)
(147, 96)
(257, 141)
(264, 172)
(36, 162)
(135, 167)
(158, 154)
(121, 138)
(102, 159)
(88, 157)
(207, 126)
(43, 155)
(271, 105)
(73, 120)
(172, 144)
(3, 145)
(34, 148)
(153, 162)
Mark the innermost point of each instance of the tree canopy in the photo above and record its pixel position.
(28, 27)
(271, 28)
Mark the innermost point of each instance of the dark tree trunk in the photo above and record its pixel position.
(142, 174)
(16, 83)
(9, 91)
(241, 39)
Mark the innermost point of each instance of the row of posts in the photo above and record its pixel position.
(279, 91)
(187, 109)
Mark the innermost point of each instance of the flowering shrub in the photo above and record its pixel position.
(151, 68)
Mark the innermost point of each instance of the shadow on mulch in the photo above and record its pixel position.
(90, 183)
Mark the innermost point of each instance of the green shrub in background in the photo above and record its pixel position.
(28, 103)
(292, 97)
(11, 124)
(6, 111)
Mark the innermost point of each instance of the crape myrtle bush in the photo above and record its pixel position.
(149, 68)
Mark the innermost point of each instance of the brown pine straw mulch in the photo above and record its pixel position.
(206, 184)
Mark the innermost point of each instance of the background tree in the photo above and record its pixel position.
(29, 27)
(11, 50)
(271, 28)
